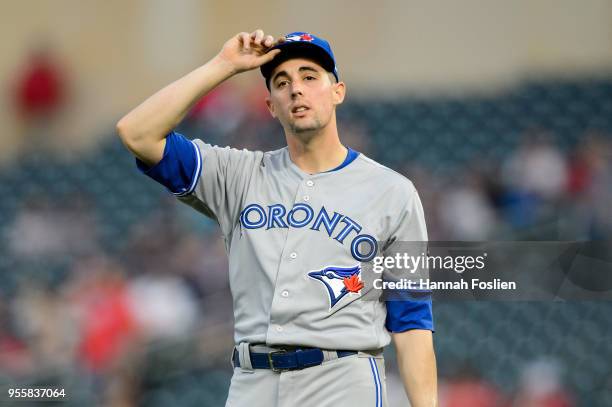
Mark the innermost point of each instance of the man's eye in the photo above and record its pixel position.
(310, 78)
(281, 84)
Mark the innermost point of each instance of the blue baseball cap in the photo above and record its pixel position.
(302, 45)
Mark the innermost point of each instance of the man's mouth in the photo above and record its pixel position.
(299, 109)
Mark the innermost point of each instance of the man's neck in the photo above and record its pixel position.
(317, 153)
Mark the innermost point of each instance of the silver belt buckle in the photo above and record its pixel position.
(274, 369)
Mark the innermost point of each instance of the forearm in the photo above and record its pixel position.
(417, 366)
(144, 129)
(151, 121)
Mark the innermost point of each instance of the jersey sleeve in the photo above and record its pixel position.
(211, 179)
(409, 310)
(220, 188)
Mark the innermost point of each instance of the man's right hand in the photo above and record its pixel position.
(144, 129)
(245, 51)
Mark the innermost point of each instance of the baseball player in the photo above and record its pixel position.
(299, 224)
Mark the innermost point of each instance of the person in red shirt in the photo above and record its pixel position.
(40, 95)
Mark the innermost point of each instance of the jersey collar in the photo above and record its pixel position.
(350, 157)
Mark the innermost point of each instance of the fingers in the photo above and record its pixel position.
(250, 50)
(258, 40)
(268, 56)
(276, 42)
(257, 37)
(245, 39)
(268, 41)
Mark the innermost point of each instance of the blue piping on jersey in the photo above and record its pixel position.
(196, 174)
(350, 157)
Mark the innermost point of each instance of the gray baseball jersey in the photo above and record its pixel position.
(296, 241)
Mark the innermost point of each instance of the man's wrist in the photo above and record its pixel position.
(225, 66)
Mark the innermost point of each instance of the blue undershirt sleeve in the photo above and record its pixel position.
(403, 315)
(179, 168)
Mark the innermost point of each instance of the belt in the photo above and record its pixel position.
(282, 360)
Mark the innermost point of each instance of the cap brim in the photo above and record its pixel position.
(298, 50)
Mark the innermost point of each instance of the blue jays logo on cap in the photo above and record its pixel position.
(339, 281)
(299, 37)
(302, 44)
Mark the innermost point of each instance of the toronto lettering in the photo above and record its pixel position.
(337, 226)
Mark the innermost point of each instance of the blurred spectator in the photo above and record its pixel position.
(147, 250)
(40, 94)
(537, 167)
(202, 262)
(235, 116)
(590, 186)
(587, 160)
(99, 299)
(469, 389)
(255, 99)
(162, 306)
(15, 356)
(535, 177)
(46, 229)
(42, 318)
(257, 130)
(216, 115)
(540, 386)
(465, 211)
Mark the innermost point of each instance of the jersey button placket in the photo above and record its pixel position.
(288, 267)
(310, 184)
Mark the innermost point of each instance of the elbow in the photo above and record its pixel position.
(122, 130)
(126, 135)
(127, 138)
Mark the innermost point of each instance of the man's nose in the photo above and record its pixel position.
(296, 89)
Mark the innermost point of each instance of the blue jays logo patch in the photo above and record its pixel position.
(301, 37)
(339, 281)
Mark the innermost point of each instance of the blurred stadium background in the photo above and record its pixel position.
(500, 112)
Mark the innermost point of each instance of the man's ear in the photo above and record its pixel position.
(339, 92)
(270, 106)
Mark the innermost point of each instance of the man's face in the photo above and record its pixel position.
(303, 96)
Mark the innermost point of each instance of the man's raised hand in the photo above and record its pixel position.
(245, 51)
